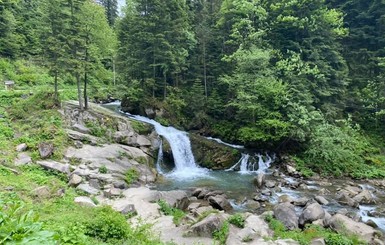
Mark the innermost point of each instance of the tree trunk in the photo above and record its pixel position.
(85, 91)
(79, 92)
(204, 68)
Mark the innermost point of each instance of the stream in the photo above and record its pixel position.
(238, 181)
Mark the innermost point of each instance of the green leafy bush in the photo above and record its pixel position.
(238, 220)
(131, 175)
(108, 225)
(222, 233)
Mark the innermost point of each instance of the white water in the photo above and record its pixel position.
(247, 164)
(185, 166)
(224, 143)
(160, 159)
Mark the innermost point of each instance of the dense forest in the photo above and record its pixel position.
(300, 77)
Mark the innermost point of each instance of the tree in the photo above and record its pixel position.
(111, 10)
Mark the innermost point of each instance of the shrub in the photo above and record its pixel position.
(237, 220)
(103, 169)
(131, 175)
(222, 233)
(108, 225)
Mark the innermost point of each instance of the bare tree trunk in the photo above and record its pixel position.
(79, 92)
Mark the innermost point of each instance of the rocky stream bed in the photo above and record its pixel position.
(98, 168)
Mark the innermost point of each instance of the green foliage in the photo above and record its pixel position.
(131, 176)
(141, 128)
(222, 233)
(166, 209)
(108, 225)
(237, 219)
(18, 226)
(103, 169)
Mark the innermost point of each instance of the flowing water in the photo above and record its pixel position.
(237, 181)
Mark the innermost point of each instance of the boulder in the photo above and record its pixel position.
(259, 180)
(84, 201)
(352, 190)
(207, 226)
(74, 135)
(220, 202)
(23, 159)
(311, 213)
(87, 189)
(120, 184)
(128, 209)
(55, 166)
(285, 198)
(270, 183)
(321, 200)
(94, 183)
(42, 192)
(365, 197)
(213, 193)
(45, 149)
(301, 201)
(252, 205)
(81, 128)
(177, 199)
(193, 206)
(258, 225)
(78, 144)
(318, 241)
(143, 141)
(285, 212)
(21, 147)
(203, 210)
(343, 198)
(290, 169)
(75, 180)
(341, 223)
(112, 192)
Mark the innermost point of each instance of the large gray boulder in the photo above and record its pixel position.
(341, 223)
(220, 202)
(285, 212)
(311, 213)
(55, 166)
(207, 226)
(365, 197)
(344, 199)
(177, 198)
(259, 181)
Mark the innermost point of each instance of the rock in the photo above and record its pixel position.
(220, 202)
(311, 213)
(251, 204)
(150, 113)
(321, 200)
(75, 180)
(318, 241)
(177, 199)
(213, 193)
(285, 212)
(112, 192)
(326, 220)
(21, 147)
(270, 183)
(259, 180)
(258, 225)
(290, 169)
(203, 193)
(45, 149)
(193, 206)
(87, 189)
(344, 199)
(285, 198)
(301, 201)
(341, 223)
(371, 223)
(202, 210)
(261, 198)
(207, 226)
(120, 184)
(303, 186)
(266, 192)
(128, 209)
(81, 128)
(196, 192)
(74, 135)
(42, 192)
(84, 201)
(365, 197)
(23, 159)
(143, 141)
(377, 241)
(94, 183)
(55, 166)
(323, 191)
(352, 190)
(78, 144)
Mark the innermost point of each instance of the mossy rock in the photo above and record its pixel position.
(212, 155)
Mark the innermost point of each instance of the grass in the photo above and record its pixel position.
(166, 209)
(222, 233)
(131, 176)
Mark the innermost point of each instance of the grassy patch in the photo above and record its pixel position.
(238, 220)
(177, 214)
(131, 176)
(222, 233)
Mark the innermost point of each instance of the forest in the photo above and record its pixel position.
(302, 77)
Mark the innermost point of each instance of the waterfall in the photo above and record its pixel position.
(224, 143)
(246, 164)
(160, 158)
(185, 166)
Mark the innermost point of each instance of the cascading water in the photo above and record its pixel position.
(224, 143)
(246, 164)
(185, 166)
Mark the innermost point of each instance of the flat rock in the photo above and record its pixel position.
(21, 147)
(84, 201)
(75, 135)
(321, 200)
(81, 128)
(23, 159)
(55, 166)
(87, 189)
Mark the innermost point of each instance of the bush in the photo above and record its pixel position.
(221, 234)
(131, 176)
(177, 214)
(237, 220)
(108, 225)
